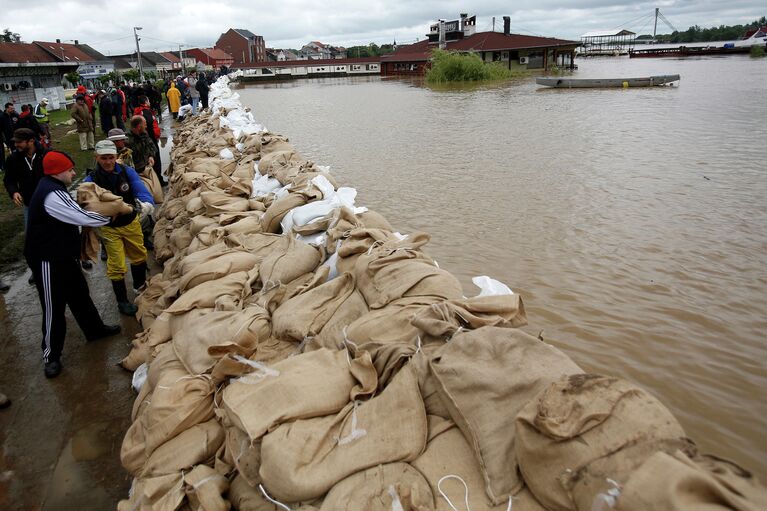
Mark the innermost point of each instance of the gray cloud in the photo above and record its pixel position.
(292, 23)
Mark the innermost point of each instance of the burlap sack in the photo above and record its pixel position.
(220, 202)
(304, 459)
(180, 238)
(427, 382)
(245, 453)
(205, 489)
(383, 488)
(195, 259)
(260, 244)
(191, 447)
(205, 339)
(245, 225)
(213, 166)
(195, 206)
(283, 266)
(390, 324)
(485, 377)
(306, 314)
(90, 246)
(305, 386)
(675, 482)
(332, 334)
(199, 222)
(448, 454)
(98, 200)
(232, 289)
(229, 262)
(274, 295)
(270, 143)
(170, 209)
(441, 320)
(585, 419)
(152, 182)
(273, 215)
(245, 497)
(162, 493)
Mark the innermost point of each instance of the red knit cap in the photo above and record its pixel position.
(56, 162)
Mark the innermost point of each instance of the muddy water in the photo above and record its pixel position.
(632, 222)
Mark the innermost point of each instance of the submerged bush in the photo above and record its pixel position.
(757, 51)
(449, 66)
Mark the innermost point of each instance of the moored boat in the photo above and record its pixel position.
(573, 83)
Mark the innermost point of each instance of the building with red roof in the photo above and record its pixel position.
(244, 46)
(211, 58)
(28, 73)
(513, 50)
(91, 64)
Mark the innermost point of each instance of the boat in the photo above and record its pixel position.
(578, 83)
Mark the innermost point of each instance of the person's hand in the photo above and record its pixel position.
(17, 199)
(150, 162)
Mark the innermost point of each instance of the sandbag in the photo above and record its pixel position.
(273, 215)
(676, 482)
(232, 289)
(383, 488)
(306, 314)
(584, 419)
(203, 340)
(229, 262)
(310, 385)
(304, 459)
(205, 488)
(152, 182)
(449, 456)
(485, 377)
(98, 200)
(220, 202)
(162, 493)
(191, 447)
(283, 266)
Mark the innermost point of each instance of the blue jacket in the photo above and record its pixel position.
(139, 191)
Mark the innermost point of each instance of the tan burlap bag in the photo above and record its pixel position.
(233, 288)
(273, 215)
(305, 386)
(485, 377)
(221, 202)
(194, 259)
(588, 419)
(383, 488)
(98, 200)
(271, 143)
(205, 339)
(205, 489)
(199, 222)
(388, 325)
(260, 244)
(353, 308)
(152, 182)
(162, 493)
(281, 267)
(195, 445)
(305, 315)
(304, 459)
(232, 261)
(675, 482)
(449, 457)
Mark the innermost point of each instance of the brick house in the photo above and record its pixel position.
(244, 46)
(211, 58)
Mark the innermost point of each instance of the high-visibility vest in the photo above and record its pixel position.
(41, 113)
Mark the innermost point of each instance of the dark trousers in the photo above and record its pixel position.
(157, 163)
(61, 283)
(204, 100)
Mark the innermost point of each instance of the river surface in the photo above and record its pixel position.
(632, 222)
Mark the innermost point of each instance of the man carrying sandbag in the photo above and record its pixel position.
(52, 250)
(123, 236)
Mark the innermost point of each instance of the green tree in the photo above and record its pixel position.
(10, 37)
(131, 74)
(73, 77)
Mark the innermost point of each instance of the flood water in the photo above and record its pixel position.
(632, 222)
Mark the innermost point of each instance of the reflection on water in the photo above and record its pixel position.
(631, 221)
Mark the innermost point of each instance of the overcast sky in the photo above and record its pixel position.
(292, 23)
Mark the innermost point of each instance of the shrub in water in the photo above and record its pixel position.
(456, 67)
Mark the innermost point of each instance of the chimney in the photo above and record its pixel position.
(77, 42)
(463, 17)
(442, 43)
(58, 41)
(506, 25)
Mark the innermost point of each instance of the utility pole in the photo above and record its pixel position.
(181, 56)
(138, 54)
(655, 27)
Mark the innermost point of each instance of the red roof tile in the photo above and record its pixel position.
(65, 52)
(13, 53)
(317, 62)
(172, 57)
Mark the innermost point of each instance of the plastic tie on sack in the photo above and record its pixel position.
(491, 287)
(139, 376)
(396, 503)
(261, 371)
(465, 494)
(356, 433)
(207, 480)
(302, 345)
(607, 500)
(275, 502)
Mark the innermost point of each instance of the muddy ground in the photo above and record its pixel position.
(60, 439)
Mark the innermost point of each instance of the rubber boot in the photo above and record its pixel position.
(138, 272)
(121, 293)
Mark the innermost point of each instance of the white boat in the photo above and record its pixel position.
(580, 83)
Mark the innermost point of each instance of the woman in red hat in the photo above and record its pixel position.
(52, 249)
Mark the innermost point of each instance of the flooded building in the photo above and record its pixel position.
(607, 42)
(513, 50)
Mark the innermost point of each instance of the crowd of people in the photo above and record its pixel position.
(37, 178)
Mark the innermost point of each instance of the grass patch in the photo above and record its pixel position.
(450, 67)
(757, 51)
(11, 232)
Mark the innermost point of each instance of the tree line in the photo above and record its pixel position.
(696, 34)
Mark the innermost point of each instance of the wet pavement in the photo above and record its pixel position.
(60, 439)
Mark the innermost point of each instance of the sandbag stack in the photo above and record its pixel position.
(299, 353)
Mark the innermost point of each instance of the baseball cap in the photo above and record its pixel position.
(56, 162)
(44, 100)
(23, 134)
(106, 147)
(116, 134)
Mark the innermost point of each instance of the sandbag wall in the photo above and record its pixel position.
(299, 353)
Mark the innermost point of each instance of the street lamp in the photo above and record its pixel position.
(138, 53)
